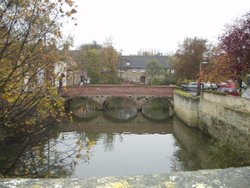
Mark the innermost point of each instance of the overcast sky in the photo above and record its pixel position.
(152, 24)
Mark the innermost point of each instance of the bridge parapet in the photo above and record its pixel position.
(101, 93)
(118, 91)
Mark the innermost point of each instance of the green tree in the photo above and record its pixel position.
(188, 57)
(29, 34)
(88, 59)
(154, 69)
(100, 62)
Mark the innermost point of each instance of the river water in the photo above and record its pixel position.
(116, 142)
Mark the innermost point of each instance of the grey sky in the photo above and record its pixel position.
(152, 24)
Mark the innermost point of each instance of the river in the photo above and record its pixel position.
(116, 142)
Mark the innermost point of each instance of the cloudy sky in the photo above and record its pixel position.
(152, 24)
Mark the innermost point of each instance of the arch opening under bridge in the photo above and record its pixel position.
(102, 93)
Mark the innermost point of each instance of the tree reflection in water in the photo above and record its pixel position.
(198, 151)
(44, 155)
(138, 145)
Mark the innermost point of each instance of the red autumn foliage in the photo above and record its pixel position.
(235, 48)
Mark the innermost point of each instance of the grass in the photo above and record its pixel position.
(185, 94)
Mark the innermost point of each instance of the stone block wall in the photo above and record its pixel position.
(133, 75)
(187, 109)
(226, 118)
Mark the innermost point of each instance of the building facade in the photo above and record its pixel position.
(133, 68)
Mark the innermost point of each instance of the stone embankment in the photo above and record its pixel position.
(226, 118)
(230, 177)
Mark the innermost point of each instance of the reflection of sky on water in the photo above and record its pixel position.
(134, 154)
(101, 151)
(102, 146)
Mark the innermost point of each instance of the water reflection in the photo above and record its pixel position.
(83, 108)
(157, 109)
(38, 157)
(102, 147)
(122, 114)
(193, 151)
(121, 109)
(198, 151)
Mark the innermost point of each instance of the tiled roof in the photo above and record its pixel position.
(140, 62)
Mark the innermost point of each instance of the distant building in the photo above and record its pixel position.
(70, 75)
(64, 71)
(133, 68)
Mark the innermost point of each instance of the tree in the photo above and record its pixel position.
(153, 69)
(29, 32)
(235, 47)
(109, 62)
(100, 62)
(217, 68)
(188, 57)
(169, 75)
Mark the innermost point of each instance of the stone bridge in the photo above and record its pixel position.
(101, 93)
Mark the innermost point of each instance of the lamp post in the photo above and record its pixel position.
(200, 78)
(239, 61)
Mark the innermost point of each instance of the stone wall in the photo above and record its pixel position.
(187, 109)
(101, 93)
(230, 177)
(133, 75)
(226, 118)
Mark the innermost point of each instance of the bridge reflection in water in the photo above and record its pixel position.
(121, 116)
(120, 108)
(101, 145)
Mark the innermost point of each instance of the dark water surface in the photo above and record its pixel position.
(114, 143)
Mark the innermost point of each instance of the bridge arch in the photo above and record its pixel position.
(101, 93)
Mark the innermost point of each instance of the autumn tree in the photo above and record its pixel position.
(109, 62)
(217, 69)
(188, 57)
(235, 48)
(29, 34)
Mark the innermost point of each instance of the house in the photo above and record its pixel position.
(66, 72)
(69, 74)
(133, 68)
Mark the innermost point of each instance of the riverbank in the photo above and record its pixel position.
(225, 118)
(230, 177)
